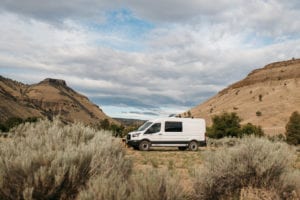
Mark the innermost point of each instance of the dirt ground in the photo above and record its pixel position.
(181, 163)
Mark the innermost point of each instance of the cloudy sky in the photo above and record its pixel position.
(141, 58)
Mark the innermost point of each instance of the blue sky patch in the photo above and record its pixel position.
(126, 31)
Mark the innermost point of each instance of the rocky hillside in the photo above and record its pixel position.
(48, 98)
(266, 97)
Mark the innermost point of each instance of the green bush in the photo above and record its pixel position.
(225, 125)
(254, 162)
(258, 113)
(250, 129)
(13, 122)
(3, 128)
(293, 129)
(50, 160)
(117, 130)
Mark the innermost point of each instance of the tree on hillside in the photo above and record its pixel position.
(225, 125)
(293, 129)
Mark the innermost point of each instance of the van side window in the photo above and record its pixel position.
(173, 127)
(155, 128)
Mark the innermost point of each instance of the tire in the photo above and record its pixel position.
(144, 145)
(193, 146)
(182, 148)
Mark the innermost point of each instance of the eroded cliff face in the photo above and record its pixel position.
(48, 98)
(273, 91)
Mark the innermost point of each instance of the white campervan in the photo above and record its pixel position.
(176, 132)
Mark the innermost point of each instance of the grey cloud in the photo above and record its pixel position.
(120, 101)
(144, 113)
(59, 10)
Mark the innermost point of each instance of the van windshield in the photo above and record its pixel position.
(144, 126)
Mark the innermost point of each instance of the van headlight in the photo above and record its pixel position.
(136, 134)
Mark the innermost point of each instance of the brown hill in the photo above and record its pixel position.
(266, 97)
(48, 98)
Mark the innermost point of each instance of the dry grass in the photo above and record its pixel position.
(180, 164)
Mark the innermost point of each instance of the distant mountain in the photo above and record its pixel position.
(49, 98)
(130, 122)
(266, 97)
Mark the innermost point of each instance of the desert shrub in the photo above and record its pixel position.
(117, 130)
(104, 124)
(153, 184)
(250, 129)
(276, 138)
(258, 194)
(50, 160)
(223, 142)
(258, 113)
(156, 184)
(225, 125)
(255, 162)
(102, 187)
(293, 129)
(3, 128)
(13, 121)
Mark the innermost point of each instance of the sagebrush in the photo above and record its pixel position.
(50, 160)
(253, 162)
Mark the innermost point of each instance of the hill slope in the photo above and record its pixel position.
(48, 98)
(272, 91)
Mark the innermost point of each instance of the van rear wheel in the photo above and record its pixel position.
(144, 145)
(193, 146)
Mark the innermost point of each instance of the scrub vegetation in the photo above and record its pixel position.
(228, 125)
(293, 129)
(51, 160)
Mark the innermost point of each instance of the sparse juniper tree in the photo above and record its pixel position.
(225, 125)
(293, 129)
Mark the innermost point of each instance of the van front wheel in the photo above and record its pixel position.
(144, 145)
(193, 146)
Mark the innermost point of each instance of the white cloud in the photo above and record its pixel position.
(194, 50)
